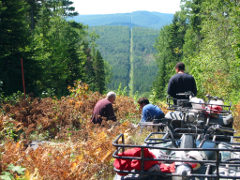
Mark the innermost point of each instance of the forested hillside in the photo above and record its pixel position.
(115, 43)
(144, 63)
(206, 36)
(138, 18)
(128, 47)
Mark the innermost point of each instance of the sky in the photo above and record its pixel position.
(84, 7)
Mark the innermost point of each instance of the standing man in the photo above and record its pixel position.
(181, 82)
(149, 111)
(104, 109)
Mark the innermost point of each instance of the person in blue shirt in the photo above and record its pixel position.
(149, 111)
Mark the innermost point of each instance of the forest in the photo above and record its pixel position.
(114, 43)
(46, 132)
(206, 36)
(55, 52)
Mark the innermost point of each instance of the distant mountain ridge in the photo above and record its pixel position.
(135, 19)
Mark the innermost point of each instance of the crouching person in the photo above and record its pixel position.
(149, 111)
(104, 109)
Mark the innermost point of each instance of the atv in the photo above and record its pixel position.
(197, 142)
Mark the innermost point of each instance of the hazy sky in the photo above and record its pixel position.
(123, 6)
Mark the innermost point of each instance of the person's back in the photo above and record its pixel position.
(181, 83)
(104, 109)
(151, 112)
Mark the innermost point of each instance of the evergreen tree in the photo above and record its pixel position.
(169, 46)
(192, 11)
(99, 72)
(14, 38)
(56, 52)
(177, 33)
(33, 11)
(60, 48)
(64, 7)
(163, 56)
(88, 67)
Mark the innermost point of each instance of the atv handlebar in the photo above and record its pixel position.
(213, 97)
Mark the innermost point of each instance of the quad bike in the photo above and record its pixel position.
(195, 111)
(197, 143)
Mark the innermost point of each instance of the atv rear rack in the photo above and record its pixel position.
(185, 105)
(217, 168)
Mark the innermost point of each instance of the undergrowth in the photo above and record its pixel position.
(71, 146)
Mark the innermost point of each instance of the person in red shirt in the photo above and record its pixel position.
(104, 109)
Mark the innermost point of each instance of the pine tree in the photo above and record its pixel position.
(99, 72)
(193, 12)
(14, 37)
(163, 57)
(59, 47)
(64, 7)
(169, 48)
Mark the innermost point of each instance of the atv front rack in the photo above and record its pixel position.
(215, 167)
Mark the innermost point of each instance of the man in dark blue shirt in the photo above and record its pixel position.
(149, 111)
(181, 82)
